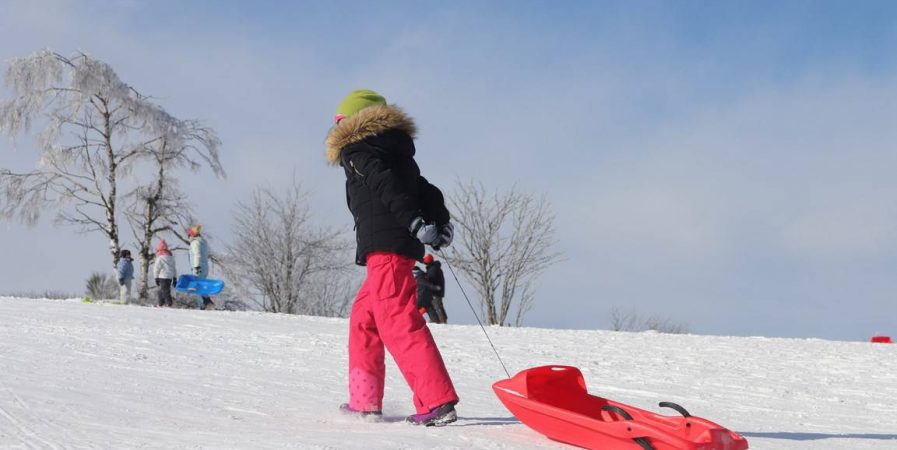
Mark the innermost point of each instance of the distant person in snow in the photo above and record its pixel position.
(396, 212)
(125, 276)
(423, 305)
(424, 294)
(199, 260)
(165, 272)
(436, 280)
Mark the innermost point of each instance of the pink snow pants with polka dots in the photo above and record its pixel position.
(385, 314)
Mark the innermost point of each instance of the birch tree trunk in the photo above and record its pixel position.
(95, 129)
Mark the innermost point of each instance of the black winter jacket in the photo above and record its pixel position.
(384, 189)
(425, 292)
(434, 275)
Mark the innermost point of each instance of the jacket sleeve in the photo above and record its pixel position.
(195, 256)
(125, 270)
(383, 181)
(428, 285)
(157, 267)
(433, 202)
(437, 277)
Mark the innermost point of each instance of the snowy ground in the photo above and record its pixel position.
(75, 375)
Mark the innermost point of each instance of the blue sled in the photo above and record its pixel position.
(192, 284)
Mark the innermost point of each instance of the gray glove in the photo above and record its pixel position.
(427, 233)
(446, 234)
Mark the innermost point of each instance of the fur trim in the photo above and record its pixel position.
(368, 122)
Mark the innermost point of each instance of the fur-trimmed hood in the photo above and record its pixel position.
(368, 122)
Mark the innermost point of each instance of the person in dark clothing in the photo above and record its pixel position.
(396, 212)
(423, 301)
(435, 278)
(425, 294)
(395, 209)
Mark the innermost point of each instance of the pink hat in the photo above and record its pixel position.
(162, 248)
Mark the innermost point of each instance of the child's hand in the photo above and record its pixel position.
(427, 233)
(446, 234)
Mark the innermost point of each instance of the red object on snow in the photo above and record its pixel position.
(882, 340)
(553, 400)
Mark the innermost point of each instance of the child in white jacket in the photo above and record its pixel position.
(165, 273)
(199, 259)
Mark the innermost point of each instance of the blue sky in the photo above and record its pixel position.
(724, 164)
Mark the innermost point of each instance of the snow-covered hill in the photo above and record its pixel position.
(75, 375)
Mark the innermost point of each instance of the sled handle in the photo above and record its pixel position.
(616, 409)
(644, 443)
(641, 441)
(676, 407)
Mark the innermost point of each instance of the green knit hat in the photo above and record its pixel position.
(358, 100)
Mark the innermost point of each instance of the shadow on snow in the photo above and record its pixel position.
(485, 421)
(818, 436)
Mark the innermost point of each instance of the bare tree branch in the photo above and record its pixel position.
(505, 243)
(631, 320)
(284, 263)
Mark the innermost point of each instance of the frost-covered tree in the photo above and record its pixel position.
(504, 242)
(283, 262)
(159, 206)
(93, 130)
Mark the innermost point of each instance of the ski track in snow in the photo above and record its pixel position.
(99, 376)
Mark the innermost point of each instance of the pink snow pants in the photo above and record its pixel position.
(385, 313)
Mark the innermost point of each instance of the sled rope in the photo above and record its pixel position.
(441, 253)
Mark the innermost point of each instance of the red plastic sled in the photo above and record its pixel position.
(882, 340)
(553, 400)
